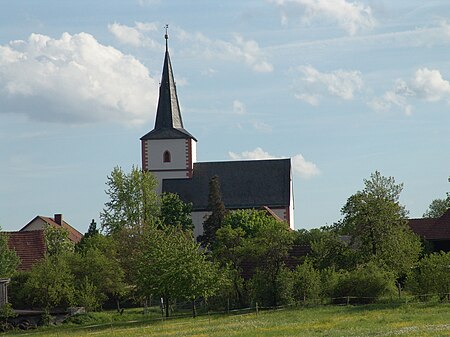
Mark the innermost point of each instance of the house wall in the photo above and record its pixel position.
(36, 224)
(197, 219)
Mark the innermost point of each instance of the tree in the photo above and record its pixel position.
(9, 260)
(92, 231)
(133, 205)
(269, 249)
(218, 211)
(306, 282)
(174, 212)
(50, 283)
(171, 265)
(133, 202)
(432, 275)
(377, 224)
(437, 208)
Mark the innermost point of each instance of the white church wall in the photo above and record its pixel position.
(197, 220)
(155, 152)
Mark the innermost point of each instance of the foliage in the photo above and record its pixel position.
(432, 275)
(9, 260)
(377, 224)
(50, 283)
(274, 293)
(132, 206)
(98, 273)
(218, 212)
(367, 283)
(247, 220)
(268, 249)
(330, 250)
(57, 240)
(171, 265)
(307, 282)
(132, 201)
(174, 212)
(437, 208)
(92, 231)
(87, 295)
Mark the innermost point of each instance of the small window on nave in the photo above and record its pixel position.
(166, 157)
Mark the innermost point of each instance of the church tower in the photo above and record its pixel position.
(168, 151)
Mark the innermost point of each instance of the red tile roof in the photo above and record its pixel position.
(432, 228)
(74, 235)
(29, 246)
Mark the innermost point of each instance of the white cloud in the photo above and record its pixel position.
(195, 44)
(430, 85)
(74, 79)
(350, 16)
(238, 107)
(135, 36)
(426, 84)
(261, 126)
(239, 49)
(300, 166)
(340, 83)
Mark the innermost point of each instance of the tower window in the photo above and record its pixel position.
(166, 157)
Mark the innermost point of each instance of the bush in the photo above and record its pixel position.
(17, 293)
(307, 283)
(365, 284)
(431, 276)
(266, 294)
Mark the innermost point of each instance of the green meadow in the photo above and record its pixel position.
(415, 319)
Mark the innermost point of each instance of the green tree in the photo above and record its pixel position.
(92, 231)
(9, 261)
(133, 202)
(306, 282)
(57, 240)
(50, 283)
(437, 208)
(269, 249)
(174, 212)
(172, 266)
(217, 208)
(133, 205)
(377, 224)
(431, 275)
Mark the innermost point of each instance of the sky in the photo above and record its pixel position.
(342, 87)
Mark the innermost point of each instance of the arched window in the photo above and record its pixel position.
(166, 157)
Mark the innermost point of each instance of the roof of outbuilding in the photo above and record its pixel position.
(243, 184)
(432, 228)
(29, 246)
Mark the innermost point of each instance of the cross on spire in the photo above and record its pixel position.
(166, 36)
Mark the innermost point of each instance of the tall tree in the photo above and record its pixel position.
(133, 202)
(377, 224)
(9, 260)
(218, 211)
(133, 205)
(171, 265)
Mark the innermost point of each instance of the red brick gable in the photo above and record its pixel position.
(29, 246)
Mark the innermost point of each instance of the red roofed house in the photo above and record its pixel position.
(29, 242)
(434, 230)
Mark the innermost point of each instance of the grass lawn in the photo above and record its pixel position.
(415, 319)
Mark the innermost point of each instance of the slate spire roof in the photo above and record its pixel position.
(169, 123)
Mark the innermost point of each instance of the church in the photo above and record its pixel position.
(169, 152)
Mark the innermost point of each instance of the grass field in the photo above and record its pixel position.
(414, 319)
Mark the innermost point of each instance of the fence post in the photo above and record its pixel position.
(256, 308)
(348, 300)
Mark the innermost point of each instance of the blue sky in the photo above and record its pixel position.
(343, 87)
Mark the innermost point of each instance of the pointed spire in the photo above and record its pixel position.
(168, 116)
